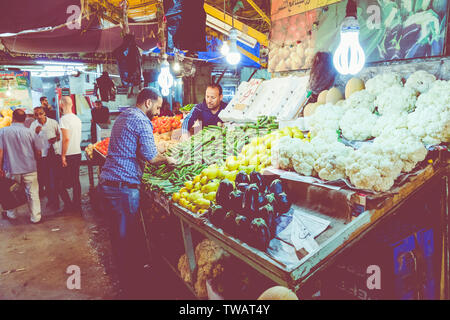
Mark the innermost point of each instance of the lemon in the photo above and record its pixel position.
(211, 196)
(188, 185)
(204, 180)
(196, 179)
(176, 197)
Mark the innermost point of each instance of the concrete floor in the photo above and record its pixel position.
(41, 254)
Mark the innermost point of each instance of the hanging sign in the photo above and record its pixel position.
(15, 89)
(286, 8)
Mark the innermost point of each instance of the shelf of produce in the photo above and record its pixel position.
(259, 260)
(341, 234)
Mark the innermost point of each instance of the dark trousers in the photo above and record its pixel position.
(120, 207)
(43, 172)
(50, 177)
(60, 190)
(72, 177)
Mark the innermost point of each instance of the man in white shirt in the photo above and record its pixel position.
(71, 150)
(49, 165)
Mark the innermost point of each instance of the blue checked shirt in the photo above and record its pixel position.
(131, 141)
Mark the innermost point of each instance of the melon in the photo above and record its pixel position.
(310, 109)
(353, 85)
(334, 95)
(322, 98)
(278, 293)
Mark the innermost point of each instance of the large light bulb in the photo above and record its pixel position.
(176, 67)
(225, 48)
(233, 56)
(349, 57)
(165, 79)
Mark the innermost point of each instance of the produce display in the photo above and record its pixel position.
(248, 209)
(200, 193)
(166, 124)
(167, 178)
(187, 108)
(401, 118)
(102, 146)
(164, 142)
(5, 117)
(214, 144)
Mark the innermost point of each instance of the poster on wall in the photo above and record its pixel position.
(15, 89)
(390, 30)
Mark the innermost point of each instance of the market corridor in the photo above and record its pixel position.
(34, 258)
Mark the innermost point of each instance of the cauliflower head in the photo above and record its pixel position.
(360, 99)
(420, 81)
(402, 145)
(431, 125)
(389, 123)
(326, 117)
(383, 81)
(357, 124)
(331, 164)
(395, 100)
(303, 158)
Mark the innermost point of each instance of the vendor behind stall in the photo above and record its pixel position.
(100, 115)
(208, 111)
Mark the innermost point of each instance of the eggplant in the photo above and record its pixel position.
(270, 198)
(217, 215)
(242, 187)
(259, 234)
(268, 213)
(261, 200)
(282, 203)
(229, 224)
(250, 203)
(236, 201)
(223, 193)
(267, 180)
(256, 178)
(276, 187)
(242, 177)
(242, 227)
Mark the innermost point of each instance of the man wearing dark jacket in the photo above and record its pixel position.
(208, 111)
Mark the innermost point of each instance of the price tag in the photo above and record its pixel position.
(246, 96)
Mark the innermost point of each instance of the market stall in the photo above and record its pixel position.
(289, 196)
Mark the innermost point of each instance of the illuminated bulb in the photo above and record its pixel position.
(233, 56)
(165, 79)
(176, 67)
(225, 49)
(165, 92)
(349, 57)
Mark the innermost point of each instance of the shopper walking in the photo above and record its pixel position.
(49, 165)
(131, 143)
(71, 151)
(19, 149)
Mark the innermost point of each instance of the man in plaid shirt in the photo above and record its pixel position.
(130, 145)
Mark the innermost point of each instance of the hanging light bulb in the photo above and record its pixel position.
(165, 79)
(349, 57)
(225, 48)
(176, 66)
(233, 56)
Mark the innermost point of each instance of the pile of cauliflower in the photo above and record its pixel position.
(409, 117)
(430, 122)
